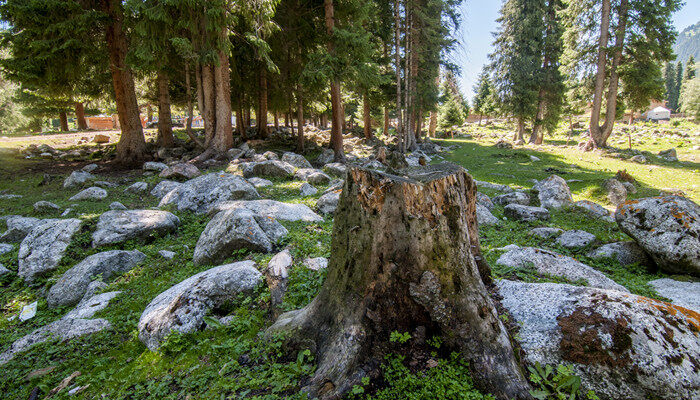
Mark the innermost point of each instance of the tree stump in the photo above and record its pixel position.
(403, 256)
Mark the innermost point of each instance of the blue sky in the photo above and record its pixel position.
(479, 21)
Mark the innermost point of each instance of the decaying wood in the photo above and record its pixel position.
(403, 256)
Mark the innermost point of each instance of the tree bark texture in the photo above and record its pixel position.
(404, 255)
(337, 113)
(80, 116)
(131, 148)
(165, 126)
(432, 125)
(300, 121)
(366, 117)
(261, 113)
(63, 118)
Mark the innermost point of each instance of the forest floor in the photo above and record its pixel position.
(233, 361)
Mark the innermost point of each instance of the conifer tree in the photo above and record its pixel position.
(483, 104)
(690, 69)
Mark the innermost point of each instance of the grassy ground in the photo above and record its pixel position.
(233, 361)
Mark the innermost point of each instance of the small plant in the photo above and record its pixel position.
(399, 337)
(559, 384)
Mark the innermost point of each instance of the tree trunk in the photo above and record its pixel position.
(300, 122)
(165, 126)
(367, 117)
(63, 117)
(261, 113)
(223, 134)
(539, 117)
(480, 116)
(337, 118)
(601, 63)
(397, 65)
(403, 256)
(385, 127)
(520, 133)
(80, 116)
(190, 108)
(432, 125)
(131, 148)
(277, 121)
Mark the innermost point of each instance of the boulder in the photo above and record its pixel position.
(325, 157)
(669, 155)
(271, 209)
(259, 182)
(78, 179)
(640, 159)
(18, 228)
(313, 176)
(484, 200)
(89, 168)
(180, 172)
(335, 169)
(236, 229)
(6, 248)
(617, 194)
(200, 194)
(154, 166)
(119, 226)
(100, 139)
(575, 239)
(137, 187)
(525, 213)
(553, 192)
(4, 271)
(74, 324)
(234, 153)
(269, 168)
(167, 254)
(512, 198)
(115, 205)
(493, 186)
(91, 193)
(626, 253)
(316, 263)
(327, 203)
(73, 284)
(546, 232)
(182, 308)
(42, 249)
(550, 263)
(163, 188)
(622, 346)
(307, 190)
(271, 155)
(595, 210)
(667, 228)
(484, 216)
(43, 206)
(684, 294)
(296, 160)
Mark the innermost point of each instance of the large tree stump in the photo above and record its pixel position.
(402, 256)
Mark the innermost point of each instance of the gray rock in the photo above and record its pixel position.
(270, 168)
(93, 288)
(553, 192)
(43, 206)
(484, 216)
(119, 226)
(617, 194)
(154, 166)
(271, 155)
(512, 198)
(622, 346)
(18, 228)
(313, 176)
(168, 255)
(296, 160)
(164, 187)
(640, 159)
(117, 206)
(105, 184)
(684, 294)
(484, 200)
(325, 157)
(137, 187)
(548, 262)
(493, 186)
(316, 264)
(629, 187)
(546, 232)
(73, 284)
(667, 228)
(78, 179)
(575, 239)
(91, 193)
(200, 194)
(235, 153)
(42, 249)
(335, 169)
(595, 210)
(525, 213)
(307, 190)
(4, 271)
(327, 203)
(271, 209)
(279, 265)
(236, 229)
(72, 325)
(6, 248)
(534, 159)
(669, 155)
(626, 253)
(182, 308)
(259, 182)
(89, 168)
(180, 172)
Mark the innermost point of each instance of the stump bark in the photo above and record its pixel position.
(403, 256)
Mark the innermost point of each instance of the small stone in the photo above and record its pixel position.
(316, 264)
(525, 213)
(117, 206)
(77, 179)
(182, 171)
(546, 232)
(137, 187)
(307, 190)
(154, 166)
(91, 193)
(296, 160)
(46, 206)
(534, 159)
(512, 198)
(575, 239)
(89, 168)
(259, 182)
(100, 138)
(168, 255)
(484, 216)
(617, 194)
(639, 159)
(335, 169)
(6, 248)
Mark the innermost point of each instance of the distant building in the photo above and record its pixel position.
(658, 114)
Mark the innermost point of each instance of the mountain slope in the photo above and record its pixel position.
(688, 43)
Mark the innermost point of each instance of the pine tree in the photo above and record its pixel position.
(677, 86)
(483, 104)
(690, 69)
